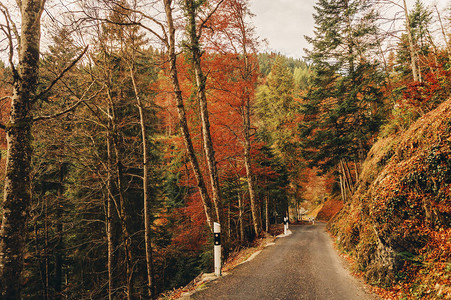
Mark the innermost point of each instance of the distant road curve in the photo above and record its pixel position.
(303, 265)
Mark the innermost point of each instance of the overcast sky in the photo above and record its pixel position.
(284, 23)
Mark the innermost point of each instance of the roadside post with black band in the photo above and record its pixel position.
(285, 225)
(217, 248)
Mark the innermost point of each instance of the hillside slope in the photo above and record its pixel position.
(397, 225)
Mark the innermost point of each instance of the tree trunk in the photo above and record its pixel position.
(146, 200)
(343, 197)
(111, 219)
(46, 248)
(387, 73)
(347, 178)
(413, 55)
(445, 35)
(59, 235)
(123, 216)
(17, 191)
(256, 218)
(267, 213)
(182, 115)
(204, 116)
(240, 215)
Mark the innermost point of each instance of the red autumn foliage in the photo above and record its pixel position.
(330, 208)
(433, 90)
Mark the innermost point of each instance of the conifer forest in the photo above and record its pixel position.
(129, 127)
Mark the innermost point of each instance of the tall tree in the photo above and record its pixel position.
(240, 12)
(413, 52)
(194, 30)
(132, 41)
(278, 113)
(169, 40)
(17, 194)
(233, 36)
(277, 108)
(343, 107)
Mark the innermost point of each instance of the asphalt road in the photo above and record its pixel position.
(303, 265)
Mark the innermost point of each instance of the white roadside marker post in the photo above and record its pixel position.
(285, 225)
(217, 248)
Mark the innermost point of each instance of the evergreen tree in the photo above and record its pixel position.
(343, 106)
(278, 114)
(420, 19)
(276, 109)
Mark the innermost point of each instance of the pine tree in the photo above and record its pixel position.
(343, 106)
(419, 21)
(276, 109)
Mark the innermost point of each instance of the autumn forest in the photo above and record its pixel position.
(128, 127)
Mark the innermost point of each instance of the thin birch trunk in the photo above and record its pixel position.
(146, 200)
(350, 179)
(413, 55)
(121, 205)
(343, 194)
(267, 213)
(110, 217)
(240, 217)
(46, 248)
(204, 116)
(59, 236)
(123, 214)
(247, 162)
(182, 114)
(445, 37)
(356, 172)
(387, 71)
(346, 177)
(256, 217)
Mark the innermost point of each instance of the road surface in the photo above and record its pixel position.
(303, 265)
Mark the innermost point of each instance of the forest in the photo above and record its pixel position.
(127, 127)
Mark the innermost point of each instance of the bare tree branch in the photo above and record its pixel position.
(62, 73)
(19, 3)
(11, 23)
(7, 30)
(40, 118)
(202, 25)
(161, 38)
(4, 98)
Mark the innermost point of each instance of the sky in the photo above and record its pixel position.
(284, 23)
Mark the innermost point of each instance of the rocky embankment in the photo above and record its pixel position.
(398, 224)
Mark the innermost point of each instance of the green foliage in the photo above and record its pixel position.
(344, 106)
(301, 71)
(274, 184)
(302, 77)
(402, 118)
(420, 22)
(276, 109)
